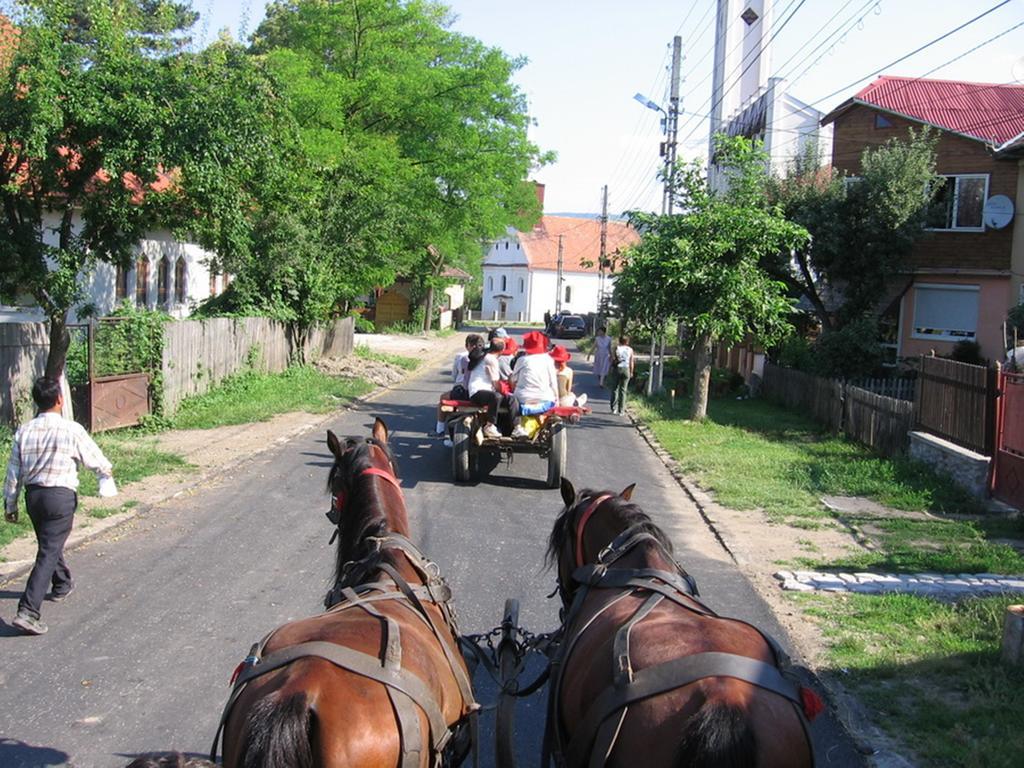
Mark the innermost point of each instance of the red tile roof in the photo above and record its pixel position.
(581, 241)
(989, 112)
(8, 41)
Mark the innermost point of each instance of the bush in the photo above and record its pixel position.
(362, 325)
(850, 352)
(968, 352)
(796, 352)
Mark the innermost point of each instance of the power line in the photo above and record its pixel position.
(829, 43)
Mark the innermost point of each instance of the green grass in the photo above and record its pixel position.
(929, 672)
(133, 454)
(250, 397)
(752, 454)
(406, 363)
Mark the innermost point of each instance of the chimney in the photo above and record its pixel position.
(539, 189)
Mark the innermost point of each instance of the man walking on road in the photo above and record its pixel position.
(44, 460)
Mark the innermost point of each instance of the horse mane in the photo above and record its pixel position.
(356, 532)
(628, 513)
(719, 735)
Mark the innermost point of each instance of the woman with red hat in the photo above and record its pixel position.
(564, 375)
(536, 381)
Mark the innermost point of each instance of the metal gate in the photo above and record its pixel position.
(1008, 462)
(112, 401)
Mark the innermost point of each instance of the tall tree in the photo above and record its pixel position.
(102, 137)
(862, 228)
(386, 93)
(701, 266)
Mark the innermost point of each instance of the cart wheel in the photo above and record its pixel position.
(557, 454)
(504, 720)
(460, 451)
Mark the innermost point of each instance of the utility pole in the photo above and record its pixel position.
(654, 380)
(558, 281)
(602, 258)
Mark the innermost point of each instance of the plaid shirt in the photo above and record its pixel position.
(47, 451)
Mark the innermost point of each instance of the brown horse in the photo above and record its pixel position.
(646, 673)
(377, 680)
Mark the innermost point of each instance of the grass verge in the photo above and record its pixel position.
(250, 397)
(929, 671)
(405, 363)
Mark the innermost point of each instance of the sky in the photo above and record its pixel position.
(586, 59)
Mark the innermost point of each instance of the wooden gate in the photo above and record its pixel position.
(1008, 462)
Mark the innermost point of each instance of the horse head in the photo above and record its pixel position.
(588, 523)
(366, 498)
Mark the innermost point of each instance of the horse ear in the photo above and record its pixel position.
(380, 431)
(334, 445)
(627, 493)
(568, 492)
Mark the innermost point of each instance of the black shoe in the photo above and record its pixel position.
(60, 597)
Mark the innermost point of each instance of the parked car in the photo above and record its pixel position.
(569, 327)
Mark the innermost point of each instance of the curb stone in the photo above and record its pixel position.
(80, 536)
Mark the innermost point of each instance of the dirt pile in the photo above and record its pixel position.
(378, 372)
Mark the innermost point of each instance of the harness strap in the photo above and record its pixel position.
(587, 514)
(359, 663)
(622, 669)
(669, 676)
(668, 584)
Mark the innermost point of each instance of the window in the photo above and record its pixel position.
(213, 283)
(506, 245)
(142, 282)
(121, 283)
(490, 283)
(568, 294)
(504, 283)
(959, 203)
(522, 284)
(881, 121)
(179, 281)
(163, 276)
(945, 312)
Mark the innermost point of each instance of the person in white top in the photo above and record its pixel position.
(458, 390)
(602, 354)
(623, 359)
(482, 377)
(535, 380)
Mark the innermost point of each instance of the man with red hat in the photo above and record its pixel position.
(535, 380)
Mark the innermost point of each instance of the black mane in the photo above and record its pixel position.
(362, 519)
(629, 514)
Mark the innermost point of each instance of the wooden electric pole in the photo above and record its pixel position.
(602, 262)
(558, 281)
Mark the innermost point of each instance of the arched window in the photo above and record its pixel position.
(504, 283)
(121, 283)
(142, 282)
(179, 281)
(522, 284)
(163, 277)
(490, 283)
(568, 294)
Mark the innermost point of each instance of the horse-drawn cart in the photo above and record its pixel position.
(551, 441)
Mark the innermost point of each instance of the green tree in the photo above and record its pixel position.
(862, 229)
(417, 130)
(701, 266)
(93, 113)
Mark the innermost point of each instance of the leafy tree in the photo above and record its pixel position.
(417, 130)
(701, 266)
(101, 138)
(862, 230)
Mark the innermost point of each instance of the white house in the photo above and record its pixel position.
(167, 274)
(524, 276)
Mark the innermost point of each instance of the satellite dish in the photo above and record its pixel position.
(998, 212)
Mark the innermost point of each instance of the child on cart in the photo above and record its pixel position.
(564, 374)
(459, 390)
(535, 380)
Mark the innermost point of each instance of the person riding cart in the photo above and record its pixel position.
(535, 380)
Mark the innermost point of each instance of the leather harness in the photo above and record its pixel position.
(405, 689)
(594, 737)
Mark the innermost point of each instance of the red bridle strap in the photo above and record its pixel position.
(339, 498)
(587, 513)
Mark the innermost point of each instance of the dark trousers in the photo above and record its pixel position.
(52, 510)
(489, 400)
(619, 393)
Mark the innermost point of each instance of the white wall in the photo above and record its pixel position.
(99, 285)
(506, 259)
(584, 292)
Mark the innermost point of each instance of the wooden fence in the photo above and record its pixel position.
(901, 389)
(199, 353)
(956, 402)
(23, 351)
(875, 420)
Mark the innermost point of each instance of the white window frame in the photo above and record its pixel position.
(914, 334)
(955, 177)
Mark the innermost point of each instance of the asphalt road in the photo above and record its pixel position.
(138, 659)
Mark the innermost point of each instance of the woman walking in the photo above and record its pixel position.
(624, 361)
(602, 354)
